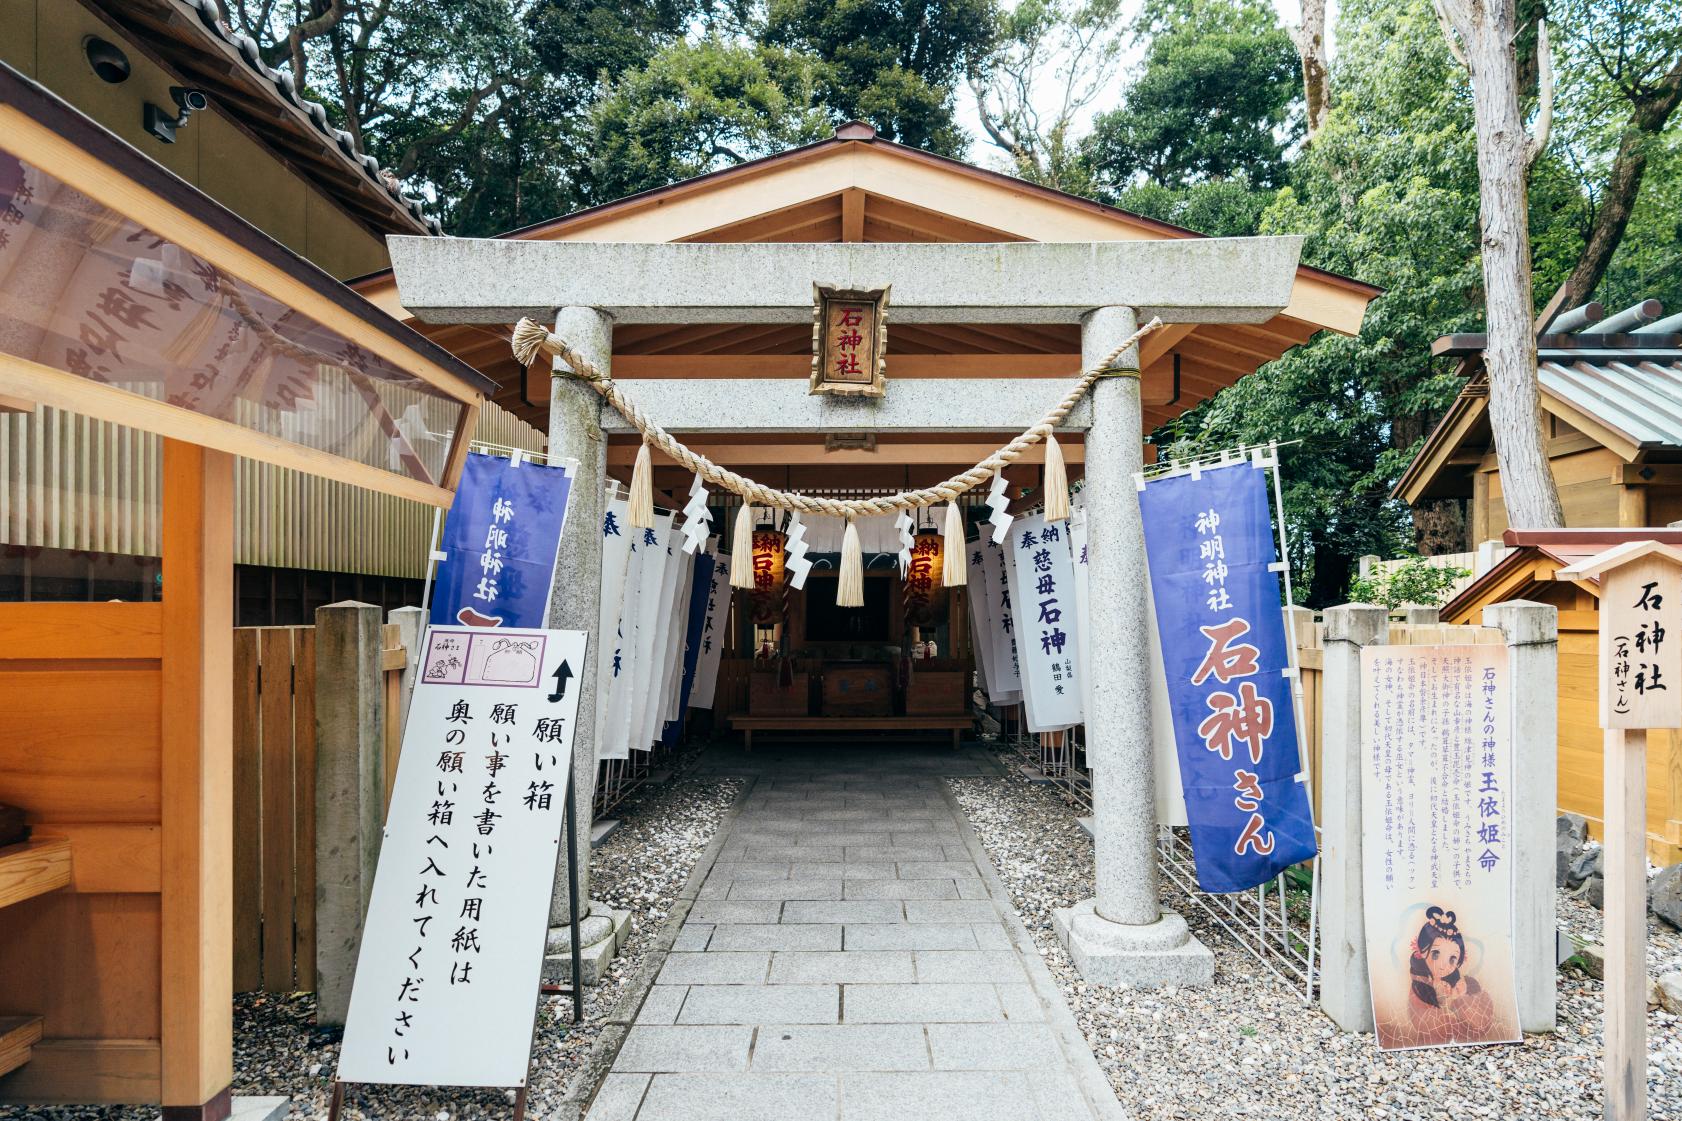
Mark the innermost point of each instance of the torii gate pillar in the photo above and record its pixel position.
(1122, 936)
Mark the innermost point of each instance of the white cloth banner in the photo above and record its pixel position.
(471, 842)
(652, 605)
(1004, 674)
(981, 627)
(615, 738)
(713, 630)
(683, 584)
(1046, 623)
(877, 533)
(1436, 849)
(616, 558)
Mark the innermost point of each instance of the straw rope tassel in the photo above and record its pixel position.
(641, 513)
(849, 589)
(741, 549)
(1056, 483)
(532, 339)
(954, 572)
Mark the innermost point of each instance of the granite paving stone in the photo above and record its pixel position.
(714, 968)
(761, 1004)
(777, 936)
(737, 910)
(786, 889)
(923, 936)
(746, 1097)
(841, 1047)
(852, 911)
(938, 1096)
(921, 1003)
(848, 967)
(969, 965)
(1011, 1046)
(658, 1047)
(950, 910)
(900, 889)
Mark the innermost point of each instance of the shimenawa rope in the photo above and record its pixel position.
(531, 339)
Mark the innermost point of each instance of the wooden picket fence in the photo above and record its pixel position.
(274, 799)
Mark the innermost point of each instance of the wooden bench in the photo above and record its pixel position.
(846, 726)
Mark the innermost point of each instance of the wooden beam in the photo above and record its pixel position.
(623, 455)
(1156, 345)
(852, 214)
(197, 780)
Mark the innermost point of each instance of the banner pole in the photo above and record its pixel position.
(572, 894)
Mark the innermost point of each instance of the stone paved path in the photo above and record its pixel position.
(852, 957)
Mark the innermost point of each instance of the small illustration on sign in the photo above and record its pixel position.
(503, 660)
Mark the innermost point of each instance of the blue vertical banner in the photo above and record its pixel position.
(500, 541)
(1210, 543)
(702, 576)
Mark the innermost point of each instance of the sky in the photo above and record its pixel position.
(984, 153)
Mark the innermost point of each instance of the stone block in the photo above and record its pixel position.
(951, 910)
(1670, 992)
(851, 967)
(1664, 895)
(777, 936)
(922, 936)
(737, 910)
(744, 1097)
(656, 1048)
(922, 1004)
(762, 1004)
(852, 911)
(714, 968)
(939, 1096)
(969, 965)
(1014, 1046)
(841, 1048)
(1107, 953)
(900, 889)
(785, 889)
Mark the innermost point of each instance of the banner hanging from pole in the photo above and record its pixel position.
(500, 541)
(1003, 670)
(1047, 624)
(1215, 579)
(713, 631)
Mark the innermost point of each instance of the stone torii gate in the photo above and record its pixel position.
(1122, 935)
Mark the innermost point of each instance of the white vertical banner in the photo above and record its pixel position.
(652, 698)
(981, 626)
(1436, 844)
(616, 558)
(651, 613)
(1046, 622)
(446, 982)
(615, 739)
(1004, 672)
(676, 648)
(713, 634)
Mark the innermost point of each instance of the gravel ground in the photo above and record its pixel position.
(640, 868)
(1248, 1046)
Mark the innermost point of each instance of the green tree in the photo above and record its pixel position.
(1216, 98)
(894, 65)
(697, 107)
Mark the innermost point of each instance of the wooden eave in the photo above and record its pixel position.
(39, 127)
(175, 35)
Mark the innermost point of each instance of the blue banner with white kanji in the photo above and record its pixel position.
(500, 540)
(1210, 543)
(702, 578)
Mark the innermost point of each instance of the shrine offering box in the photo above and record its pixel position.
(866, 690)
(936, 693)
(767, 698)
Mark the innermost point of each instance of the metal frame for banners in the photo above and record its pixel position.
(1278, 934)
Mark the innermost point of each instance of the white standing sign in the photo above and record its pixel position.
(713, 632)
(452, 949)
(1004, 674)
(1046, 622)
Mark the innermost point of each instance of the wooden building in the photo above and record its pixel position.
(1529, 572)
(1612, 406)
(79, 499)
(217, 344)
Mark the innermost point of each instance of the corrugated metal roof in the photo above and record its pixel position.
(1639, 395)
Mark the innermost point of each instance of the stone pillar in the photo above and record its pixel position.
(1122, 936)
(411, 628)
(575, 432)
(1416, 616)
(349, 792)
(1345, 995)
(1531, 631)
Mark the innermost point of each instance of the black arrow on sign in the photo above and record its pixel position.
(562, 674)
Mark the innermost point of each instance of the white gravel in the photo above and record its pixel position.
(639, 868)
(1249, 1047)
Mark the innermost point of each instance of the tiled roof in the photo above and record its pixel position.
(1639, 395)
(190, 37)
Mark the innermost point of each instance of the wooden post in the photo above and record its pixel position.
(1624, 865)
(1640, 685)
(197, 781)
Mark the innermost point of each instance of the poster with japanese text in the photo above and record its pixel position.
(714, 635)
(500, 540)
(1042, 587)
(1436, 794)
(1210, 544)
(452, 949)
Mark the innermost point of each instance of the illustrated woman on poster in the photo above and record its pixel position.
(1446, 1004)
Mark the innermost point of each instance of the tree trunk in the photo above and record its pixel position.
(1311, 47)
(1515, 409)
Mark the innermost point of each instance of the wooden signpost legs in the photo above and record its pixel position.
(1624, 865)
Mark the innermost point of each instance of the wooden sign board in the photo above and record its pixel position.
(849, 341)
(1640, 660)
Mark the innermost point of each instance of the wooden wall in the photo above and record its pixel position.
(81, 687)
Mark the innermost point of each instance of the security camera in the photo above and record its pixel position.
(161, 124)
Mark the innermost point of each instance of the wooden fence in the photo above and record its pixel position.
(274, 799)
